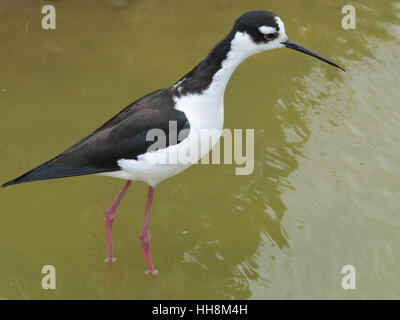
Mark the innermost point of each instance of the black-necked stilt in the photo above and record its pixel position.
(119, 148)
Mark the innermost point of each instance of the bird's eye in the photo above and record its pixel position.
(270, 36)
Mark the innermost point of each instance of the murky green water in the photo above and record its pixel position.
(326, 185)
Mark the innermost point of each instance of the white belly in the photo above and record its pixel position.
(206, 118)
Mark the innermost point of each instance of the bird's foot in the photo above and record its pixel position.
(110, 260)
(152, 272)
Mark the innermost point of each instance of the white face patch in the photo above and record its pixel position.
(274, 43)
(243, 45)
(282, 34)
(267, 29)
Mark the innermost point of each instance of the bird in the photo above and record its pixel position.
(121, 147)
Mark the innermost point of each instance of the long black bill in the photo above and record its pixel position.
(293, 45)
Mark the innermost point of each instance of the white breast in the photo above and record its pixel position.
(206, 118)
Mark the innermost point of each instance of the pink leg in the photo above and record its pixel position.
(109, 219)
(145, 235)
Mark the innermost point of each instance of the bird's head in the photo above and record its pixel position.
(261, 30)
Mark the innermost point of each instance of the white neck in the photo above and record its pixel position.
(241, 48)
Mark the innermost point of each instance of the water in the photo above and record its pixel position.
(326, 184)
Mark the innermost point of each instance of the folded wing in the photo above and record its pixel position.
(122, 137)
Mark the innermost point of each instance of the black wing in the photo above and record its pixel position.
(122, 137)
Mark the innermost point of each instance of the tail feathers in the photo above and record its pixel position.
(51, 170)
